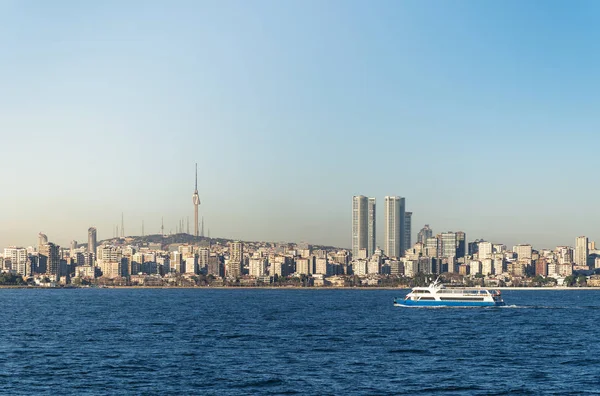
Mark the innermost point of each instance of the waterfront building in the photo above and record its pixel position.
(581, 251)
(215, 265)
(394, 226)
(191, 265)
(360, 267)
(258, 266)
(50, 254)
(322, 266)
(407, 230)
(85, 271)
(303, 266)
(425, 233)
(565, 269)
(374, 265)
(565, 254)
(411, 268)
(203, 255)
(19, 260)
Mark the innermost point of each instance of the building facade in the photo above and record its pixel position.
(407, 230)
(92, 240)
(363, 224)
(394, 226)
(581, 251)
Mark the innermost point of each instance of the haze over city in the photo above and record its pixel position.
(482, 115)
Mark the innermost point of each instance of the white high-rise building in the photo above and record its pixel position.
(485, 250)
(363, 225)
(18, 259)
(523, 251)
(394, 226)
(258, 266)
(581, 250)
(236, 258)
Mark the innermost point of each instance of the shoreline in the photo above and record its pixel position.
(528, 288)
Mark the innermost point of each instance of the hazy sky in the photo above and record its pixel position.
(484, 115)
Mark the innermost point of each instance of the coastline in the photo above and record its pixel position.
(557, 288)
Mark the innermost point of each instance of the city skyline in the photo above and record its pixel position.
(66, 240)
(96, 122)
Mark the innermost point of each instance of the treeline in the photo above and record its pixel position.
(8, 279)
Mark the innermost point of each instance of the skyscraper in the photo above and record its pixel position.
(360, 224)
(581, 250)
(407, 230)
(425, 233)
(92, 242)
(42, 240)
(372, 220)
(196, 201)
(394, 226)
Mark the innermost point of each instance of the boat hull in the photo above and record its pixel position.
(411, 303)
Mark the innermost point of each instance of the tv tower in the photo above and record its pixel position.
(196, 200)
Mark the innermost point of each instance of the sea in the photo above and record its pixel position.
(294, 342)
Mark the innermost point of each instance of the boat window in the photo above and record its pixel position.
(427, 298)
(461, 299)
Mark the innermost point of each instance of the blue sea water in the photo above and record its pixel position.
(254, 341)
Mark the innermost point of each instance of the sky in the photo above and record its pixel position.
(483, 115)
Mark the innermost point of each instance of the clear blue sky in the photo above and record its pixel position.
(484, 115)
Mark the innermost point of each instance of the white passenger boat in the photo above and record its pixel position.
(437, 295)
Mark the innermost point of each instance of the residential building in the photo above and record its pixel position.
(363, 224)
(581, 251)
(523, 251)
(394, 226)
(19, 260)
(236, 257)
(485, 250)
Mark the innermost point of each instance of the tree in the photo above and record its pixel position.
(569, 280)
